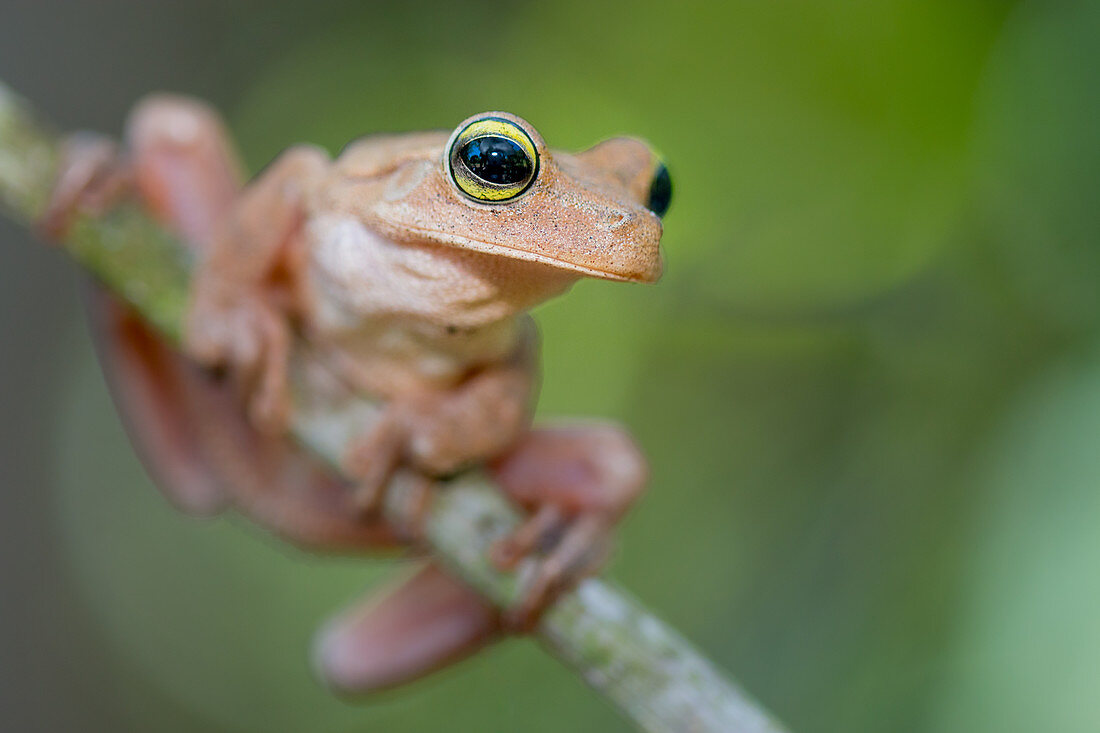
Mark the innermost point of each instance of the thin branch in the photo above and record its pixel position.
(624, 652)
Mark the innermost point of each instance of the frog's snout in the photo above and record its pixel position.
(618, 238)
(633, 165)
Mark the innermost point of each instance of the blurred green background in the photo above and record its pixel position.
(869, 383)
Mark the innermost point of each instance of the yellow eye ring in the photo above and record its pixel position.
(493, 160)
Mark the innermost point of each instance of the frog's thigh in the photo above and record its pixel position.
(274, 483)
(148, 383)
(202, 452)
(428, 621)
(185, 165)
(187, 172)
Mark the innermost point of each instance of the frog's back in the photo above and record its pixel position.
(376, 155)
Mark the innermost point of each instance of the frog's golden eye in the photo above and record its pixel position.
(493, 160)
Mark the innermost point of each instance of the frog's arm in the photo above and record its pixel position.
(442, 431)
(249, 282)
(481, 417)
(186, 424)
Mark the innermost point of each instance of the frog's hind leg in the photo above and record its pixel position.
(179, 163)
(148, 383)
(195, 441)
(576, 481)
(188, 426)
(184, 166)
(397, 635)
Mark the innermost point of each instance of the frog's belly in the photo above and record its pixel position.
(326, 421)
(396, 358)
(397, 317)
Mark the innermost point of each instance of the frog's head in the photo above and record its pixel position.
(495, 187)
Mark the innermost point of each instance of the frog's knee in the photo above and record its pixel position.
(184, 164)
(589, 466)
(172, 120)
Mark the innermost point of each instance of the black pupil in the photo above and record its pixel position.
(496, 159)
(660, 191)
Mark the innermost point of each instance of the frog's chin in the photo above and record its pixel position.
(503, 250)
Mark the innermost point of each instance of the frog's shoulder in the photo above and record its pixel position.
(376, 155)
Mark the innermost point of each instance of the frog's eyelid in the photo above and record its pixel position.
(468, 181)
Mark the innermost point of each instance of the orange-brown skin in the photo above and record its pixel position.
(416, 296)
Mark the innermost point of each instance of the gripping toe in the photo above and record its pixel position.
(425, 623)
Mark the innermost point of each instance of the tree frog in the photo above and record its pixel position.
(407, 264)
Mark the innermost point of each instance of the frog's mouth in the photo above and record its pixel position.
(503, 250)
(620, 259)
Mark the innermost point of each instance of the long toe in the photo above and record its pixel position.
(427, 622)
(581, 552)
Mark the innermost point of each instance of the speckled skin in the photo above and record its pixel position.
(415, 295)
(386, 261)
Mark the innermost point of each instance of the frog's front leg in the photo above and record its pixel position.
(179, 161)
(437, 433)
(187, 426)
(576, 482)
(488, 414)
(246, 289)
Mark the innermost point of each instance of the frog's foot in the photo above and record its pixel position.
(577, 481)
(428, 621)
(579, 549)
(92, 177)
(248, 335)
(404, 499)
(374, 462)
(371, 461)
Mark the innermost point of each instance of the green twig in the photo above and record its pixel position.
(624, 652)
